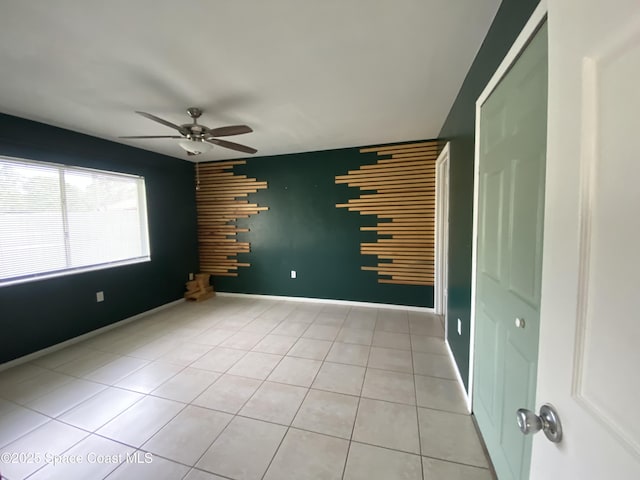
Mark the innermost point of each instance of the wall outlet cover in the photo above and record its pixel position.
(293, 274)
(100, 296)
(459, 327)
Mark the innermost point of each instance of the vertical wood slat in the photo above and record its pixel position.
(404, 203)
(222, 198)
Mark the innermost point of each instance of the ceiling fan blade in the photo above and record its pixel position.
(163, 122)
(231, 145)
(230, 130)
(151, 136)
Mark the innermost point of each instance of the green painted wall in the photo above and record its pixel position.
(304, 231)
(459, 129)
(41, 313)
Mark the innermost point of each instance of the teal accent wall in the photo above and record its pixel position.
(304, 231)
(459, 130)
(41, 313)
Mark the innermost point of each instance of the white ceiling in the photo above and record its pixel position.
(304, 74)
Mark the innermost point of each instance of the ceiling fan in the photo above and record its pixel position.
(196, 138)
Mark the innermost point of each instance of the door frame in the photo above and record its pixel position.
(537, 18)
(442, 233)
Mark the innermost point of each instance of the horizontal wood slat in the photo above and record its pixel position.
(221, 199)
(414, 177)
(399, 165)
(404, 189)
(385, 172)
(388, 148)
(396, 229)
(407, 282)
(220, 165)
(406, 216)
(403, 181)
(393, 266)
(414, 154)
(405, 161)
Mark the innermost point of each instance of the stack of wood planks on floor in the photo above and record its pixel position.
(199, 289)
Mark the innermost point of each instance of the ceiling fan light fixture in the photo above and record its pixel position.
(195, 147)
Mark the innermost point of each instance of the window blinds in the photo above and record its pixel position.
(59, 219)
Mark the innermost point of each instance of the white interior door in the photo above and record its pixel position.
(442, 232)
(590, 325)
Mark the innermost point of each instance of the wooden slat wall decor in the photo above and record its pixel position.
(222, 198)
(403, 182)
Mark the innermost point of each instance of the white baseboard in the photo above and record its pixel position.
(106, 328)
(84, 336)
(467, 397)
(329, 301)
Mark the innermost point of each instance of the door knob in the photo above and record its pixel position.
(548, 421)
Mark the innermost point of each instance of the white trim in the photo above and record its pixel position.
(442, 232)
(467, 396)
(520, 43)
(329, 301)
(106, 328)
(536, 19)
(84, 336)
(36, 277)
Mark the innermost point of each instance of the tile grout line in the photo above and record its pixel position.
(186, 405)
(355, 418)
(233, 416)
(294, 416)
(255, 316)
(236, 414)
(415, 388)
(61, 453)
(263, 381)
(59, 420)
(90, 433)
(455, 462)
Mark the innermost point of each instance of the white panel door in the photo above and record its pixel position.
(590, 322)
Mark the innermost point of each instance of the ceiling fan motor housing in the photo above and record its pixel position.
(194, 131)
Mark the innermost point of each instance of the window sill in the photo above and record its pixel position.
(72, 271)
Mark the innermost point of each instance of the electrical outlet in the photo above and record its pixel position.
(293, 274)
(459, 327)
(191, 276)
(100, 296)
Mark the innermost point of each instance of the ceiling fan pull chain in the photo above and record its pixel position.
(197, 176)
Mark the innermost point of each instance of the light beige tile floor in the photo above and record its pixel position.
(244, 389)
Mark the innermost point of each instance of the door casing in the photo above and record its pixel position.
(536, 19)
(529, 30)
(442, 232)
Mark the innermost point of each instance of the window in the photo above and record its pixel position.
(56, 219)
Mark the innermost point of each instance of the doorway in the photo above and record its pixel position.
(442, 232)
